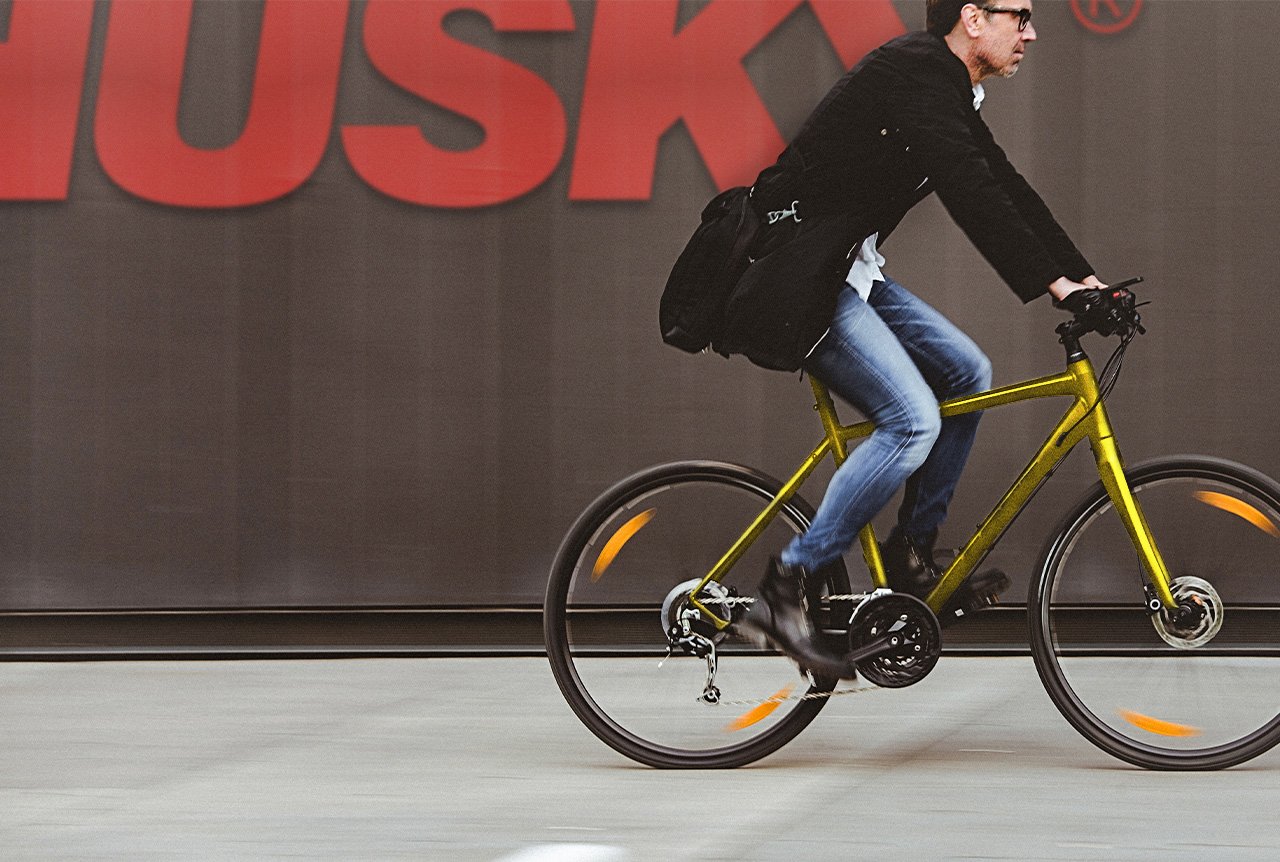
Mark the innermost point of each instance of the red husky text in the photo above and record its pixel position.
(643, 77)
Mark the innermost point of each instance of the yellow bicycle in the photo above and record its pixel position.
(1154, 613)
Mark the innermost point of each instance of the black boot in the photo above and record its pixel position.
(910, 568)
(908, 563)
(778, 616)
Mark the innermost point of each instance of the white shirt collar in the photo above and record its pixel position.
(978, 95)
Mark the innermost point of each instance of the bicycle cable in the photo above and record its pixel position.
(1109, 377)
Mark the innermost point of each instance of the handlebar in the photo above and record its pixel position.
(1120, 285)
(1118, 315)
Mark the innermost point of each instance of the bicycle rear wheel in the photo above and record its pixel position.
(1148, 689)
(618, 585)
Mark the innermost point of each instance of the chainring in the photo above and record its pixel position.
(903, 616)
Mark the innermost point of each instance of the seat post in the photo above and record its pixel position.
(826, 407)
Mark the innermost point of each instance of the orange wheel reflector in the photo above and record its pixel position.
(617, 540)
(1240, 509)
(1155, 725)
(761, 712)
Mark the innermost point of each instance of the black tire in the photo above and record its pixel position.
(617, 616)
(1109, 670)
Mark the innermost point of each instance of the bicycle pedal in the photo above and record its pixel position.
(978, 603)
(991, 583)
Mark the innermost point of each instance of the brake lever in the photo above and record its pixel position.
(1137, 318)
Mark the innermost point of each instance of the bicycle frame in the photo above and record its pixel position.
(1086, 418)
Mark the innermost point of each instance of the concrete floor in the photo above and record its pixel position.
(480, 759)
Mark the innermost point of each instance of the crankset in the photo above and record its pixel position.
(894, 639)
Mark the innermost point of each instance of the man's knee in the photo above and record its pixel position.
(919, 431)
(974, 374)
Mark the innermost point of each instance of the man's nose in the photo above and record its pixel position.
(1029, 34)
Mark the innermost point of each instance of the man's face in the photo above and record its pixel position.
(1001, 45)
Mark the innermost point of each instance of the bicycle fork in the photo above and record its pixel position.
(1111, 471)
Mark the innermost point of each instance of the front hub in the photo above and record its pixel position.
(1198, 617)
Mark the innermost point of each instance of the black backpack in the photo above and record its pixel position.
(692, 307)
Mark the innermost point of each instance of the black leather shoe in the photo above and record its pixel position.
(908, 563)
(910, 568)
(779, 617)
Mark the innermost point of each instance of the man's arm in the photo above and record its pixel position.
(1032, 207)
(942, 137)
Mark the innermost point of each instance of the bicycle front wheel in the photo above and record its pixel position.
(1198, 693)
(620, 582)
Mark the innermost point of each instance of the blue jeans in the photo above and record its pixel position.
(894, 358)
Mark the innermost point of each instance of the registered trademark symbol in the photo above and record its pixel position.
(1106, 16)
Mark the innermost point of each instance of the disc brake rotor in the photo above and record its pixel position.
(1189, 590)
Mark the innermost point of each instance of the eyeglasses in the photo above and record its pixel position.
(1024, 15)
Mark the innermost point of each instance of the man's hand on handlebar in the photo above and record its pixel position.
(1105, 309)
(1064, 286)
(1082, 302)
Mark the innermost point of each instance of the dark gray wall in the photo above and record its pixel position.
(340, 399)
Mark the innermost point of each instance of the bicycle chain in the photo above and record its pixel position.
(746, 600)
(817, 695)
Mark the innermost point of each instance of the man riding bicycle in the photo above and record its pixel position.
(902, 124)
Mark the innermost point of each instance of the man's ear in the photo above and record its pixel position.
(971, 20)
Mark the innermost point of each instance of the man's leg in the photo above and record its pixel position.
(861, 360)
(953, 366)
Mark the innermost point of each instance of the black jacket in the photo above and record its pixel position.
(896, 128)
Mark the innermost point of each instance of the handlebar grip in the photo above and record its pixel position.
(1128, 282)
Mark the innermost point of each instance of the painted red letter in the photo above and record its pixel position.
(521, 115)
(857, 28)
(41, 79)
(643, 78)
(290, 115)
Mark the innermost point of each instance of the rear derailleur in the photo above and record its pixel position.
(689, 631)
